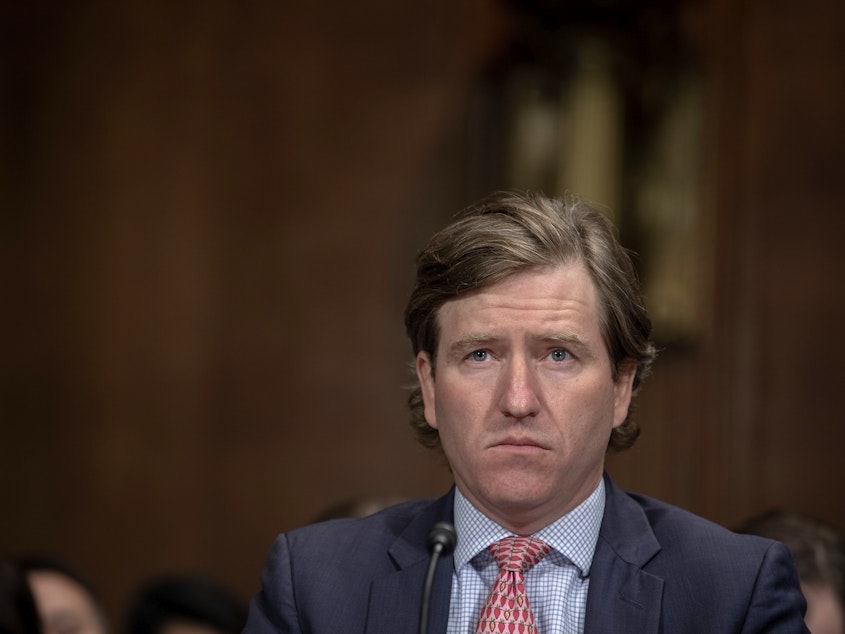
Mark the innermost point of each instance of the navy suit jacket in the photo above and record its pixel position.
(656, 569)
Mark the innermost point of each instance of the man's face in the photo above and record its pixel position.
(64, 605)
(523, 395)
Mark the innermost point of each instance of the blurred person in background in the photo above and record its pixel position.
(67, 602)
(185, 604)
(819, 553)
(18, 612)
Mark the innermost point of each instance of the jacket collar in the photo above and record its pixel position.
(623, 597)
(395, 599)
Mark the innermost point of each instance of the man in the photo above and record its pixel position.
(184, 604)
(66, 602)
(531, 339)
(18, 612)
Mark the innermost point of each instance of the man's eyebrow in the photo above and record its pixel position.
(569, 338)
(458, 348)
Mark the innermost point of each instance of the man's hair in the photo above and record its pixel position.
(18, 610)
(511, 232)
(191, 598)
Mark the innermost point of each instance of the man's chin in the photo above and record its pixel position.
(514, 498)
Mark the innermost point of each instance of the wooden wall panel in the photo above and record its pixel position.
(749, 420)
(209, 223)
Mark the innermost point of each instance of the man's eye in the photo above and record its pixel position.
(478, 355)
(559, 354)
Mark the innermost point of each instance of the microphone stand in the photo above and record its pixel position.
(441, 541)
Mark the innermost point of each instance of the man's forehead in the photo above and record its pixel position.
(571, 279)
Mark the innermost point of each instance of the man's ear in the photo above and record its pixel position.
(425, 375)
(623, 390)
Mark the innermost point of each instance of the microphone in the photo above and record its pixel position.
(441, 541)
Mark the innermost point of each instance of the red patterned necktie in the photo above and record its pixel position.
(507, 609)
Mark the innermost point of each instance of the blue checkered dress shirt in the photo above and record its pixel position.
(557, 586)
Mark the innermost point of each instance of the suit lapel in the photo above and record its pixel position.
(395, 599)
(623, 597)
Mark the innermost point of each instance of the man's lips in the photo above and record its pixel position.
(518, 444)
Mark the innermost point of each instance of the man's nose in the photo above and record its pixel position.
(519, 389)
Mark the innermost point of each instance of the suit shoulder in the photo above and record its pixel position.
(352, 537)
(679, 529)
(711, 578)
(322, 577)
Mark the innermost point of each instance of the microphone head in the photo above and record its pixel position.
(442, 538)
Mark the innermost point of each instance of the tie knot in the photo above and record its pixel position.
(519, 553)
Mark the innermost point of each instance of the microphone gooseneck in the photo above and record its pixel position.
(441, 541)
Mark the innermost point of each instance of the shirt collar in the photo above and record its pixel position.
(574, 535)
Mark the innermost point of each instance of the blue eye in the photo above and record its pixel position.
(478, 355)
(559, 354)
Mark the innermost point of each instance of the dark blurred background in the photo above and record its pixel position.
(210, 211)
